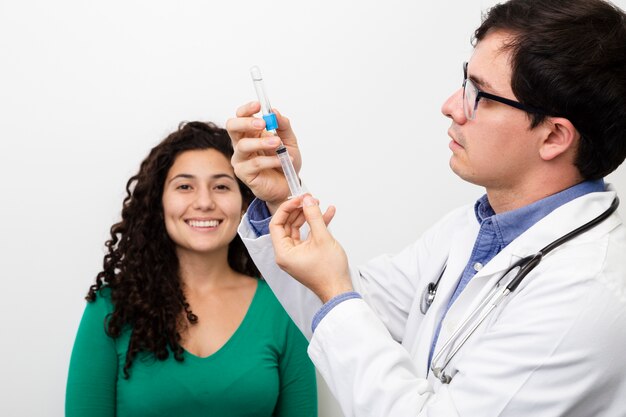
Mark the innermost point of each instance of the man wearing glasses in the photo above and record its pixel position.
(539, 121)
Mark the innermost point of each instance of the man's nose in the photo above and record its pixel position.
(453, 107)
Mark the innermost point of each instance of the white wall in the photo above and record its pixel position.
(87, 88)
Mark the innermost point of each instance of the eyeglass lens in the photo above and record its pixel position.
(469, 95)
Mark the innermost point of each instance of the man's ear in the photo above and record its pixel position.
(562, 138)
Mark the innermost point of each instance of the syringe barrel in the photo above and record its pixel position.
(290, 173)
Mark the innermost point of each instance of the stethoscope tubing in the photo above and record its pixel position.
(497, 297)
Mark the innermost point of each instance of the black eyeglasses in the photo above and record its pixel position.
(471, 95)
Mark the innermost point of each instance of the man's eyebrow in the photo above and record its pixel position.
(480, 82)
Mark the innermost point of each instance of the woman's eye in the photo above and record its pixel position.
(184, 187)
(222, 187)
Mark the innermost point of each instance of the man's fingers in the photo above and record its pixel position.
(280, 229)
(248, 146)
(293, 216)
(281, 216)
(314, 218)
(298, 220)
(283, 122)
(284, 129)
(241, 127)
(329, 215)
(290, 227)
(250, 168)
(245, 125)
(248, 109)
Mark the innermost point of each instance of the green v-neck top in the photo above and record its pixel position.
(262, 370)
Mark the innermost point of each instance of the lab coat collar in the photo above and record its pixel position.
(559, 222)
(551, 227)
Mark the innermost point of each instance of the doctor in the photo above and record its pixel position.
(538, 122)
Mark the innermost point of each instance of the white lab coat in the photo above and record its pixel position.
(554, 347)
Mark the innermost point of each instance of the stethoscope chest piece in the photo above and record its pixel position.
(428, 296)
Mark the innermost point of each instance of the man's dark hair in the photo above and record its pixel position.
(568, 58)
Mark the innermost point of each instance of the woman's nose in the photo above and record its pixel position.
(204, 200)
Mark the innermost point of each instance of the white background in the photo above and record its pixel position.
(87, 88)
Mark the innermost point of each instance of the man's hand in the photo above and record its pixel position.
(255, 161)
(318, 262)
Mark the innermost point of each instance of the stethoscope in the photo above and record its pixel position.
(496, 295)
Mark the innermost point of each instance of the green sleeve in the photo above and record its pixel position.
(92, 376)
(298, 390)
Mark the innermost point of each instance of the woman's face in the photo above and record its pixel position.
(202, 204)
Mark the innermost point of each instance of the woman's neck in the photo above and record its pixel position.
(200, 272)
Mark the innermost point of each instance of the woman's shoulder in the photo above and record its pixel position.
(264, 291)
(267, 301)
(102, 301)
(274, 318)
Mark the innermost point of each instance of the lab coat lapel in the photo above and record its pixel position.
(460, 250)
(470, 298)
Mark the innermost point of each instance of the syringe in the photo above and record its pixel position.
(271, 123)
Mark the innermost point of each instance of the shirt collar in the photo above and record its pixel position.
(509, 225)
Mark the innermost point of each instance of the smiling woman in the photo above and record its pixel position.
(177, 322)
(202, 204)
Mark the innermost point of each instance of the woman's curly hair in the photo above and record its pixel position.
(141, 268)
